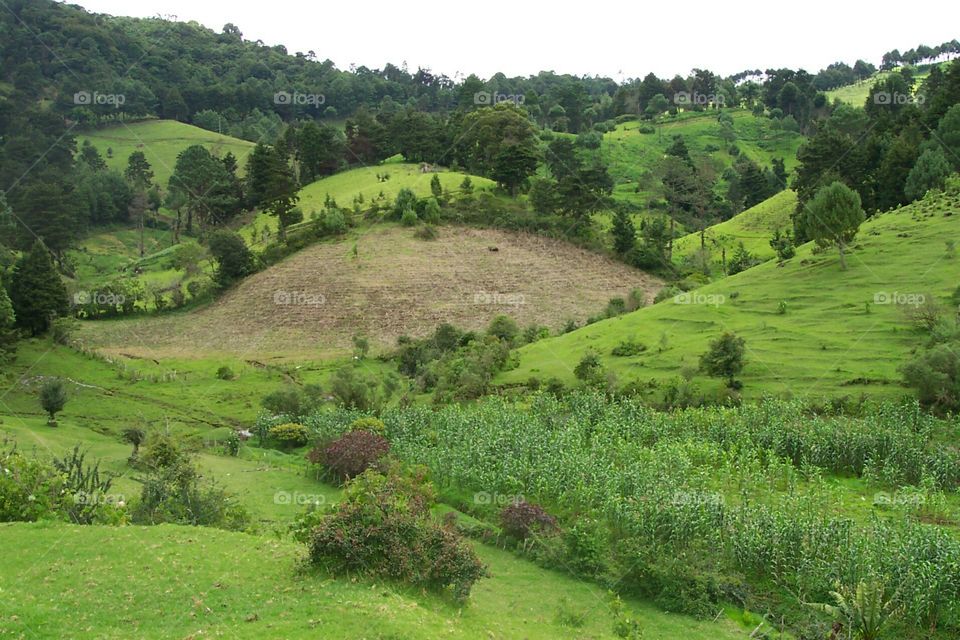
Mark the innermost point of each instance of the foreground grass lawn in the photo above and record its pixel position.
(182, 582)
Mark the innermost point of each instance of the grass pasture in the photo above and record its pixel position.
(752, 227)
(161, 141)
(836, 333)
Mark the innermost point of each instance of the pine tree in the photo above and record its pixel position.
(930, 172)
(8, 320)
(36, 291)
(624, 233)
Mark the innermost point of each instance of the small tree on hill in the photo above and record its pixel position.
(930, 172)
(36, 291)
(833, 217)
(53, 397)
(435, 187)
(234, 259)
(624, 233)
(7, 321)
(724, 358)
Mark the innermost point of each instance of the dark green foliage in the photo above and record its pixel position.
(87, 491)
(589, 369)
(741, 260)
(833, 217)
(176, 493)
(935, 374)
(234, 259)
(724, 358)
(380, 529)
(53, 397)
(930, 172)
(207, 188)
(624, 233)
(628, 348)
(782, 243)
(291, 401)
(8, 321)
(503, 327)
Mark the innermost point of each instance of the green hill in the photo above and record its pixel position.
(810, 329)
(752, 227)
(635, 148)
(160, 141)
(188, 582)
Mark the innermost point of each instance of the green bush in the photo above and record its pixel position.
(225, 373)
(371, 424)
(177, 494)
(29, 489)
(289, 435)
(628, 348)
(378, 530)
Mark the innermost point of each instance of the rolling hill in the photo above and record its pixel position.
(383, 282)
(635, 148)
(752, 227)
(811, 329)
(160, 141)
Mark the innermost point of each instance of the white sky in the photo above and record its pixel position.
(597, 37)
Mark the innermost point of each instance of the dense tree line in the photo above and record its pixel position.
(902, 142)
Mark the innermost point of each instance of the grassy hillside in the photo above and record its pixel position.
(752, 227)
(833, 334)
(364, 181)
(160, 141)
(633, 156)
(177, 582)
(395, 284)
(856, 94)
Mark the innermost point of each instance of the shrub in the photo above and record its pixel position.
(724, 358)
(378, 530)
(225, 373)
(29, 489)
(161, 451)
(409, 218)
(503, 327)
(615, 307)
(521, 519)
(935, 374)
(371, 424)
(234, 259)
(177, 494)
(232, 443)
(351, 454)
(427, 232)
(289, 435)
(286, 402)
(628, 348)
(589, 369)
(53, 397)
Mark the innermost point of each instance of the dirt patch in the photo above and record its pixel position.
(317, 300)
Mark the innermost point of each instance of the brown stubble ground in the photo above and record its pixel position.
(397, 285)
